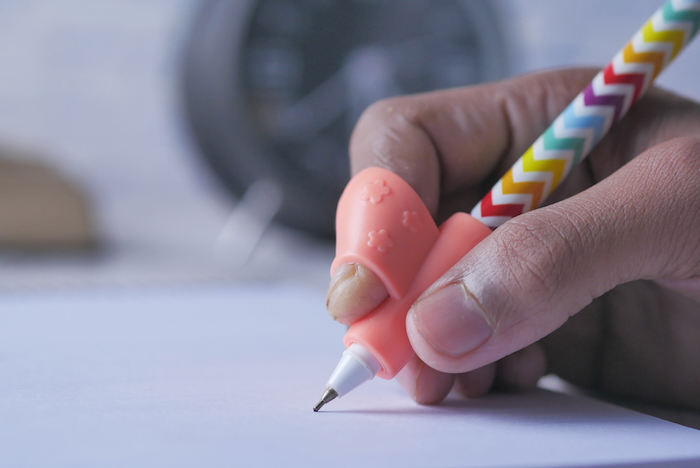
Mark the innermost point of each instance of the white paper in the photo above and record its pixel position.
(228, 376)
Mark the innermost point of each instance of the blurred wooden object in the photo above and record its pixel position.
(39, 209)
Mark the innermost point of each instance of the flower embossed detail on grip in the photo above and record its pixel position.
(411, 219)
(375, 191)
(380, 240)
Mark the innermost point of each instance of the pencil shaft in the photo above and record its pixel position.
(606, 100)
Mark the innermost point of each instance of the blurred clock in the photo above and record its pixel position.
(273, 88)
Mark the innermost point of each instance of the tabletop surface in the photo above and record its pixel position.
(227, 376)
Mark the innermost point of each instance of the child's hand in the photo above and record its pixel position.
(490, 319)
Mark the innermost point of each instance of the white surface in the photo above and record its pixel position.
(228, 377)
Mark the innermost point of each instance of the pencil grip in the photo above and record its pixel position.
(383, 331)
(383, 224)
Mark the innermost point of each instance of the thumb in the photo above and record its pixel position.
(534, 272)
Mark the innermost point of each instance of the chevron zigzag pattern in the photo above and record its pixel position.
(588, 118)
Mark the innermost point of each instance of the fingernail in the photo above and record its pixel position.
(451, 321)
(353, 291)
(344, 272)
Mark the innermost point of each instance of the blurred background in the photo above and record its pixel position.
(146, 142)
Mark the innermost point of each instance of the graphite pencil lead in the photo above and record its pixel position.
(329, 395)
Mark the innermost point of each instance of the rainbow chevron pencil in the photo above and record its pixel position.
(588, 118)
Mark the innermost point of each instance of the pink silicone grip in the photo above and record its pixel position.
(383, 224)
(383, 331)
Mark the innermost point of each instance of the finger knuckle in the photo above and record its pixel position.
(677, 157)
(678, 170)
(387, 127)
(384, 110)
(537, 253)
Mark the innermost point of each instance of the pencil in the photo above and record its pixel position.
(604, 102)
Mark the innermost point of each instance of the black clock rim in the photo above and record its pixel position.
(214, 108)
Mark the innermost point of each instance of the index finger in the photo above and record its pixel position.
(446, 141)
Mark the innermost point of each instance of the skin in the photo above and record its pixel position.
(600, 287)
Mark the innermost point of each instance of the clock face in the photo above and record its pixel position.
(304, 70)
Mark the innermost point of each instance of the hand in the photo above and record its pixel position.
(601, 287)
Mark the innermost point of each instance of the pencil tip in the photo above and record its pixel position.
(329, 395)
